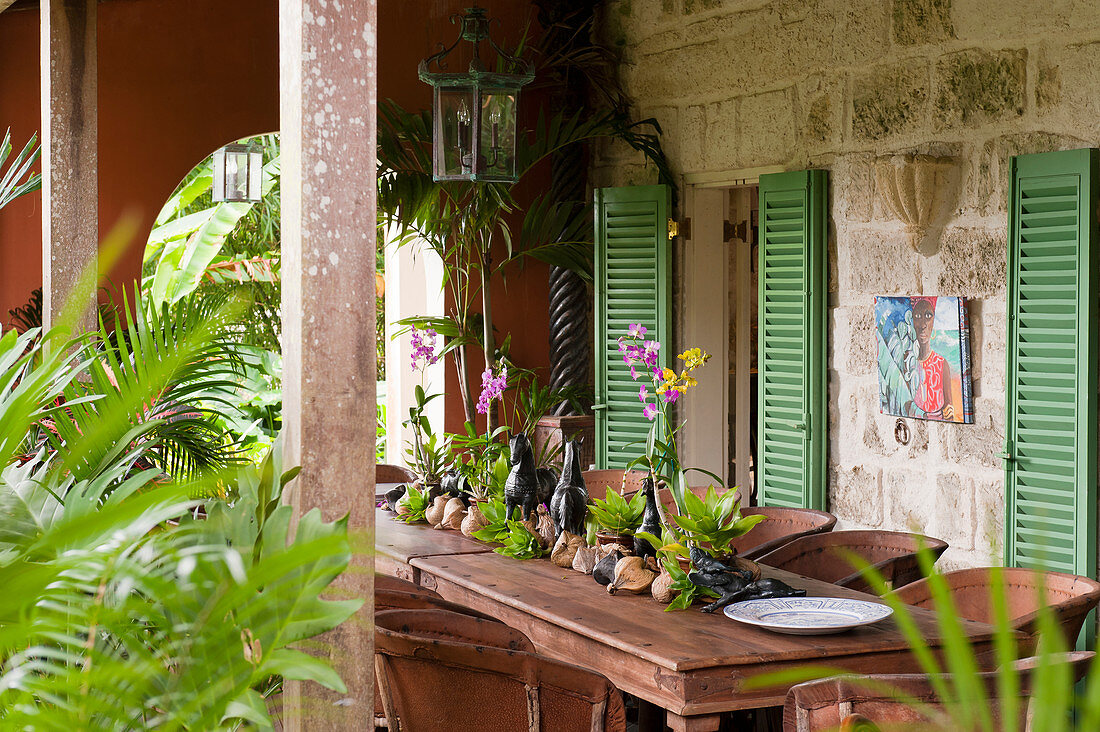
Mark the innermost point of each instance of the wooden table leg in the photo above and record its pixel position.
(703, 723)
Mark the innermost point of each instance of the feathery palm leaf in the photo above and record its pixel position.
(18, 180)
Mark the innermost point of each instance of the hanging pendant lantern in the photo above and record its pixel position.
(474, 113)
(238, 173)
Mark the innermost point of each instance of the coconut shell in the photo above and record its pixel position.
(475, 520)
(604, 571)
(565, 550)
(545, 527)
(631, 575)
(453, 514)
(661, 589)
(434, 513)
(585, 559)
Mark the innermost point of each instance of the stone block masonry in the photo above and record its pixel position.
(738, 84)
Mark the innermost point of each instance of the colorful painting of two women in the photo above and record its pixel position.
(924, 358)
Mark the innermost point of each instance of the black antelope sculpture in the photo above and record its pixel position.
(569, 503)
(522, 488)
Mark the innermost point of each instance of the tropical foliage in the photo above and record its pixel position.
(964, 699)
(129, 603)
(18, 180)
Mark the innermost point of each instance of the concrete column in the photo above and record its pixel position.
(70, 178)
(328, 122)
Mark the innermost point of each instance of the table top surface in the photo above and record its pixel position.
(678, 640)
(405, 542)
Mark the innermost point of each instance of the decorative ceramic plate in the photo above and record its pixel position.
(808, 615)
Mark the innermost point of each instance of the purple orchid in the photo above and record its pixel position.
(491, 388)
(423, 343)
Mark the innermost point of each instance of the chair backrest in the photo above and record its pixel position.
(822, 556)
(782, 526)
(391, 595)
(400, 600)
(387, 473)
(1069, 597)
(625, 481)
(386, 583)
(473, 683)
(830, 703)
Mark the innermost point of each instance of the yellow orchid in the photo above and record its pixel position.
(693, 358)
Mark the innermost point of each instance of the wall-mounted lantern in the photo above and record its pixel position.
(238, 173)
(474, 113)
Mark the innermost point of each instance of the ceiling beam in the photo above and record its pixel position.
(5, 4)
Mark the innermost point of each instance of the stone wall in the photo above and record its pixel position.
(739, 84)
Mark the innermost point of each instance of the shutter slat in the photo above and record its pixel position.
(792, 340)
(632, 286)
(1051, 402)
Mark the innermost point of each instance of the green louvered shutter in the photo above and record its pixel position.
(632, 286)
(791, 366)
(1050, 436)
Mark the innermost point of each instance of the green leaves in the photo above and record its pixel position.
(618, 515)
(714, 520)
(416, 501)
(496, 531)
(689, 591)
(18, 180)
(520, 543)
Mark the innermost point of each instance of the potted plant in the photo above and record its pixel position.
(617, 518)
(712, 522)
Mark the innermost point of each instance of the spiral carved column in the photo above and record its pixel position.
(569, 342)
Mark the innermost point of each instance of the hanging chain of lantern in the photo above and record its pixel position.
(474, 113)
(238, 173)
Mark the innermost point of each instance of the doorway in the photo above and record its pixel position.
(719, 314)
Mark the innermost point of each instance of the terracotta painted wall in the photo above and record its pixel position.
(409, 31)
(177, 80)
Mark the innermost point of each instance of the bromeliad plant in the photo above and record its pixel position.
(662, 457)
(616, 515)
(520, 543)
(712, 522)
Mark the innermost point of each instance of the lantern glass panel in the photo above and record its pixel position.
(218, 190)
(255, 174)
(236, 176)
(498, 134)
(455, 122)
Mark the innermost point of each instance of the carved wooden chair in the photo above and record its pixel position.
(822, 556)
(625, 481)
(438, 670)
(863, 703)
(783, 525)
(391, 593)
(1068, 596)
(387, 473)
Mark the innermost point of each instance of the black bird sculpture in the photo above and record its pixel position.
(521, 489)
(569, 503)
(651, 520)
(734, 585)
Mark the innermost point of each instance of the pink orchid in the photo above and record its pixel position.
(643, 393)
(636, 330)
(671, 395)
(650, 411)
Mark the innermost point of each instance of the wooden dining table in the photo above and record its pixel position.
(692, 664)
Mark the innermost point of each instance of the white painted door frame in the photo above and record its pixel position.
(704, 322)
(413, 274)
